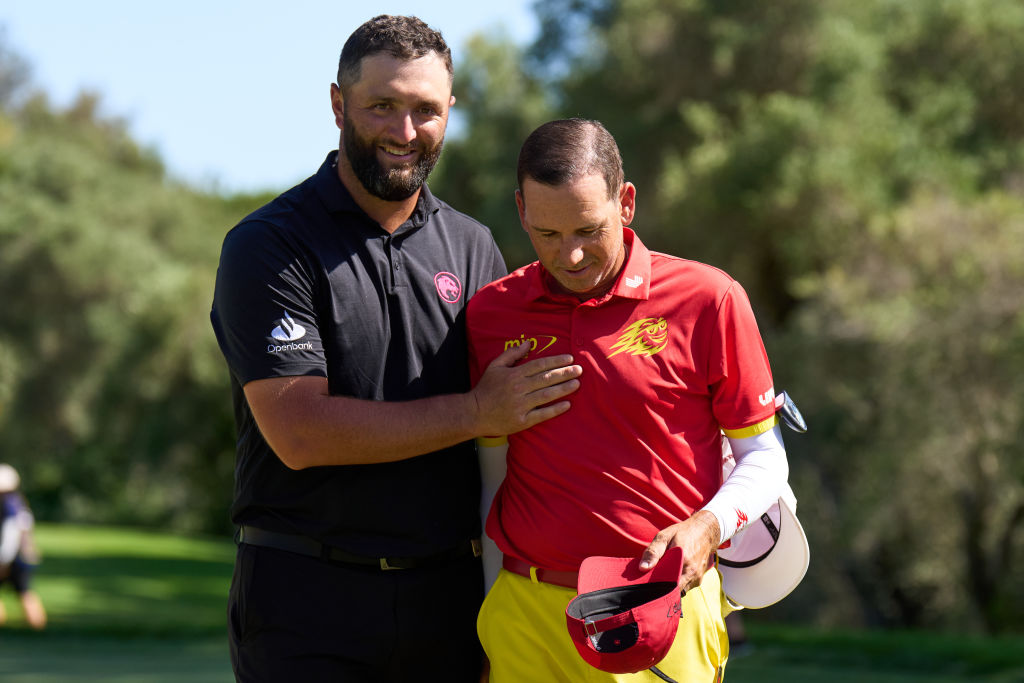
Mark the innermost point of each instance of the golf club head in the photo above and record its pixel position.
(789, 413)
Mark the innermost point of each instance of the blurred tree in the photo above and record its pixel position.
(14, 72)
(933, 509)
(501, 103)
(115, 392)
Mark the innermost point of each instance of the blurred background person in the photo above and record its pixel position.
(18, 553)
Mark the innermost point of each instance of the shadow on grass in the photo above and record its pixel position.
(52, 657)
(783, 654)
(126, 595)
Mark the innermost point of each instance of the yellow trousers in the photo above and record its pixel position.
(522, 628)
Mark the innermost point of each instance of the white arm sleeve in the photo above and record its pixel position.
(492, 472)
(10, 540)
(753, 485)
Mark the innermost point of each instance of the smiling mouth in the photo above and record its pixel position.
(397, 151)
(576, 271)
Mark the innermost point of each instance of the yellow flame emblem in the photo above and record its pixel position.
(645, 337)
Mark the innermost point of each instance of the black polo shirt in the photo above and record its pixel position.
(311, 285)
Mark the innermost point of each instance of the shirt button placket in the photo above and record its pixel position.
(391, 255)
(575, 333)
(396, 266)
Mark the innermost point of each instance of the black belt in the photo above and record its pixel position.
(517, 566)
(303, 545)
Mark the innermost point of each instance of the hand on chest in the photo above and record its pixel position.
(627, 352)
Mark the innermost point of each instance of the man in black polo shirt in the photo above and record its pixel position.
(339, 308)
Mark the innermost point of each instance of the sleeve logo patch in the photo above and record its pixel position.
(448, 287)
(287, 329)
(645, 337)
(288, 332)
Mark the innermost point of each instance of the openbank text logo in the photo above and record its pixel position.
(275, 348)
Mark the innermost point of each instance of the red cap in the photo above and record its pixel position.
(625, 620)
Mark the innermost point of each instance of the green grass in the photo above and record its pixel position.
(55, 657)
(796, 654)
(124, 605)
(134, 606)
(132, 582)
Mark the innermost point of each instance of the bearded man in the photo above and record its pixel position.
(339, 308)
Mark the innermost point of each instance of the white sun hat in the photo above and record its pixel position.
(764, 562)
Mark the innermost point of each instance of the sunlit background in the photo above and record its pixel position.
(859, 167)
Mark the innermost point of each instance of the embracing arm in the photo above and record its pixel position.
(307, 427)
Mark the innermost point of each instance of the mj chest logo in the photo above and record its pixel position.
(538, 342)
(645, 337)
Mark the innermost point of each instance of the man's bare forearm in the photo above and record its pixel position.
(308, 427)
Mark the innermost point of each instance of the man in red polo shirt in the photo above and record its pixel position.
(672, 358)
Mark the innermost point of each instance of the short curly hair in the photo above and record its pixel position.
(402, 37)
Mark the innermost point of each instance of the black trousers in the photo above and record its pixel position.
(298, 618)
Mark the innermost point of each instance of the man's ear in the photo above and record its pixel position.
(338, 106)
(521, 205)
(627, 203)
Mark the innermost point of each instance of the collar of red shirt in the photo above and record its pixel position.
(632, 282)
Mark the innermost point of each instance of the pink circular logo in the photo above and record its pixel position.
(448, 287)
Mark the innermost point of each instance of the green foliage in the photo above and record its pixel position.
(115, 400)
(503, 103)
(14, 72)
(932, 297)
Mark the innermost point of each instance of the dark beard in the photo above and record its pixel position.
(390, 185)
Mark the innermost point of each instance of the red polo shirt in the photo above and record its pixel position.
(670, 356)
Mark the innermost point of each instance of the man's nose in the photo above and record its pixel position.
(402, 128)
(572, 252)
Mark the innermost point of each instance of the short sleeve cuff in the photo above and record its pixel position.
(753, 430)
